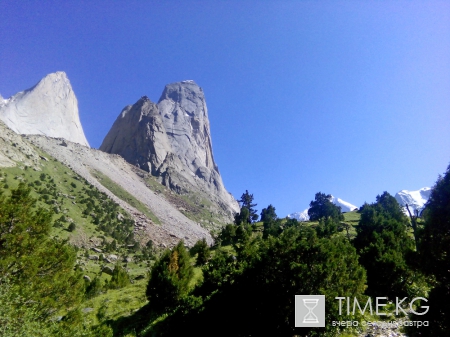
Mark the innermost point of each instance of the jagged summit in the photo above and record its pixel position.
(185, 116)
(172, 140)
(416, 200)
(49, 108)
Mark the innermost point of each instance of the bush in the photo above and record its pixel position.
(120, 278)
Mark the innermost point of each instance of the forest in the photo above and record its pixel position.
(242, 285)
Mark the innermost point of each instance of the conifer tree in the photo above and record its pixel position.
(169, 279)
(202, 250)
(322, 207)
(247, 202)
(268, 214)
(385, 247)
(40, 266)
(271, 223)
(434, 251)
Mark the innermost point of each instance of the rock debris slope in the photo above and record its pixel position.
(22, 151)
(49, 108)
(86, 162)
(172, 141)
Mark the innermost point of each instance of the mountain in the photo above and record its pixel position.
(157, 214)
(300, 216)
(345, 207)
(172, 141)
(169, 184)
(49, 108)
(416, 200)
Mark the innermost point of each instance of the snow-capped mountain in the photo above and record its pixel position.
(3, 101)
(416, 200)
(300, 216)
(345, 207)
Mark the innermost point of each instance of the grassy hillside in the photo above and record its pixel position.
(192, 205)
(72, 199)
(81, 213)
(124, 195)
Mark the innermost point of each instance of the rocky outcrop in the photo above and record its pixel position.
(49, 108)
(15, 151)
(139, 136)
(185, 116)
(172, 140)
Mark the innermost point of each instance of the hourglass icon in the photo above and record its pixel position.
(310, 304)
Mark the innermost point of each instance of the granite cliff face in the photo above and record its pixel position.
(139, 136)
(49, 108)
(172, 141)
(185, 117)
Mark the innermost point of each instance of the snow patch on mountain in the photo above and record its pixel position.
(300, 216)
(3, 101)
(345, 207)
(416, 200)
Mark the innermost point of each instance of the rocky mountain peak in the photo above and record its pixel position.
(49, 108)
(172, 140)
(185, 116)
(180, 91)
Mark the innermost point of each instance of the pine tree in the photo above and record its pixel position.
(385, 247)
(29, 258)
(169, 279)
(271, 223)
(268, 214)
(247, 202)
(202, 250)
(434, 251)
(322, 207)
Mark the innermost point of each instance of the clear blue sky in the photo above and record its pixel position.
(350, 98)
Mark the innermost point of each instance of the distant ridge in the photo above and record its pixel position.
(416, 200)
(345, 207)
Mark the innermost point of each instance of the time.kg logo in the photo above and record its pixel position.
(310, 311)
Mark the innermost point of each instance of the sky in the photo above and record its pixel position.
(349, 98)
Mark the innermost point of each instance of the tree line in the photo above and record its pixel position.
(251, 276)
